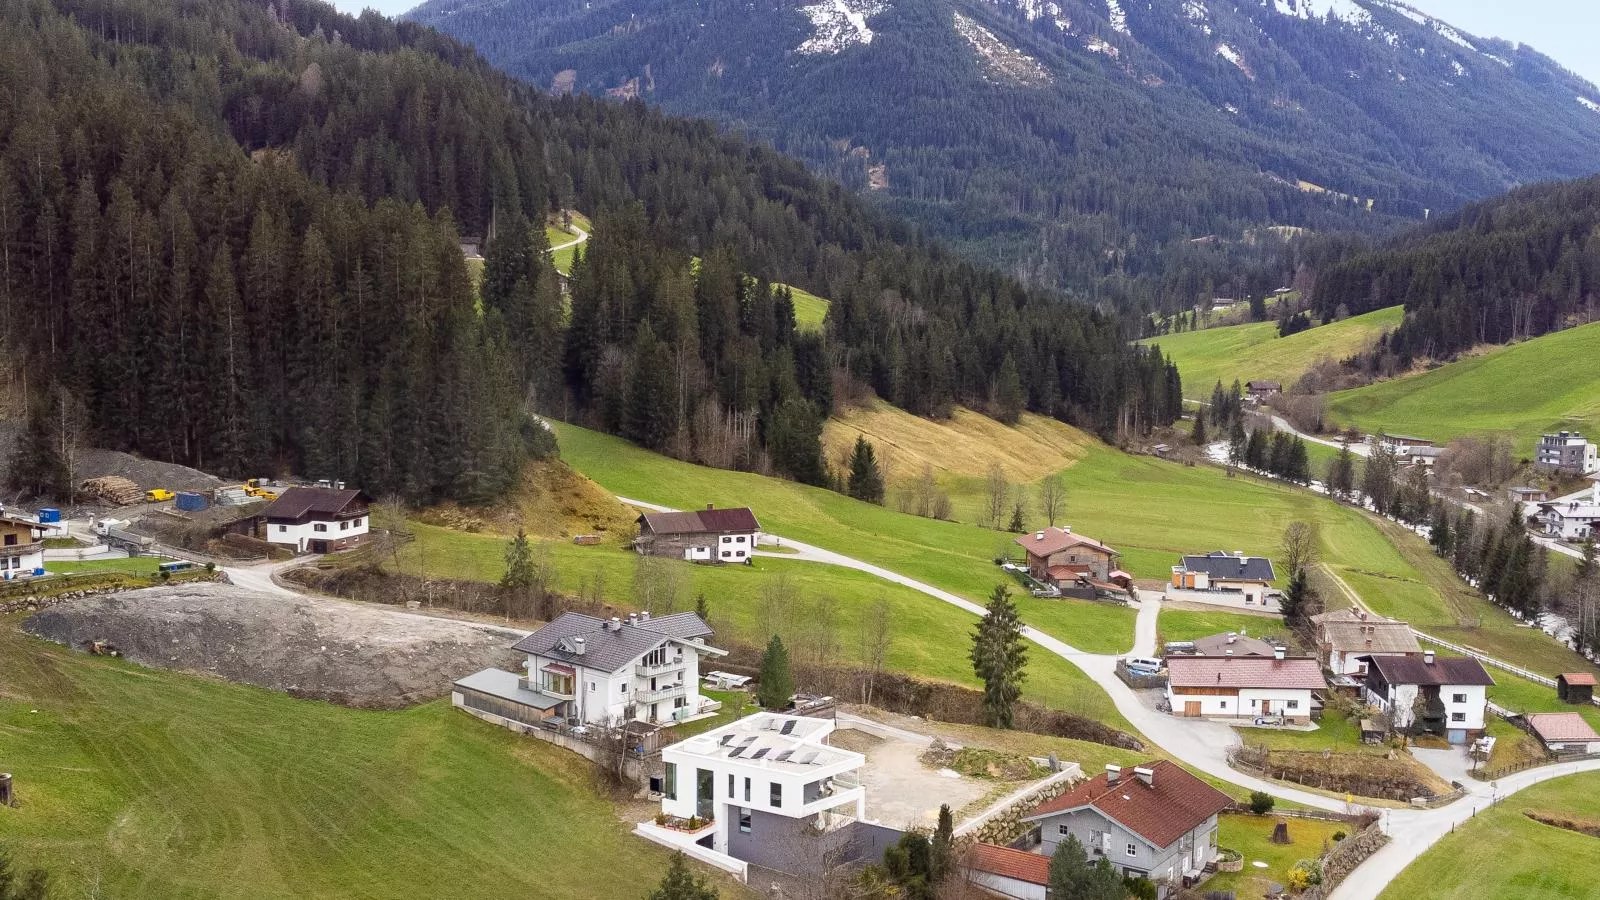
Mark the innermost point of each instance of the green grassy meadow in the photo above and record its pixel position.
(136, 782)
(1514, 390)
(809, 309)
(137, 565)
(1254, 351)
(1188, 624)
(1511, 857)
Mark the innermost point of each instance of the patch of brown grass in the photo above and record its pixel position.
(552, 501)
(964, 445)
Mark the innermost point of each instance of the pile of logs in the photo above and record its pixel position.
(113, 489)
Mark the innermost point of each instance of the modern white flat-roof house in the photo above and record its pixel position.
(1449, 694)
(754, 790)
(1575, 517)
(1567, 452)
(584, 670)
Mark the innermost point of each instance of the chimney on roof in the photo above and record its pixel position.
(578, 646)
(1232, 637)
(1279, 652)
(1238, 554)
(644, 616)
(1113, 774)
(615, 624)
(1039, 536)
(1229, 651)
(1067, 529)
(1427, 657)
(1146, 775)
(710, 507)
(1362, 614)
(633, 618)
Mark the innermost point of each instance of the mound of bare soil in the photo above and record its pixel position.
(148, 474)
(324, 649)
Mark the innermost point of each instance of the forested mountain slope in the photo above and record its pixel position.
(1087, 143)
(230, 234)
(1509, 268)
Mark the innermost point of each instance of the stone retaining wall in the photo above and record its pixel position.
(1005, 826)
(1345, 857)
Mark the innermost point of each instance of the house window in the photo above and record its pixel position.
(730, 785)
(1254, 703)
(360, 521)
(592, 687)
(1458, 717)
(739, 539)
(345, 525)
(1224, 704)
(669, 786)
(1458, 698)
(282, 528)
(775, 795)
(744, 821)
(1294, 704)
(1133, 849)
(726, 539)
(747, 790)
(623, 689)
(320, 526)
(727, 554)
(1063, 830)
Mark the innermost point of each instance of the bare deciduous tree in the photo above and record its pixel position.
(657, 583)
(779, 596)
(875, 630)
(997, 495)
(1052, 498)
(1299, 546)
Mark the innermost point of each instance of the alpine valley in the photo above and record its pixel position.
(1133, 152)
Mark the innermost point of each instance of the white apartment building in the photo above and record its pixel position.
(1566, 452)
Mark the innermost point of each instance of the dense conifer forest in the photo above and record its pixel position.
(230, 237)
(1513, 267)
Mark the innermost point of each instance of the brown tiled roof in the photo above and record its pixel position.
(1055, 540)
(1443, 670)
(1005, 862)
(1562, 727)
(1245, 672)
(320, 501)
(1242, 645)
(1173, 804)
(1577, 678)
(1068, 573)
(1347, 614)
(739, 520)
(1371, 637)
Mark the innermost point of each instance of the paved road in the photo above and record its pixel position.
(582, 236)
(1357, 448)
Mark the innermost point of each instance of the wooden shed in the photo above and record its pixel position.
(1575, 687)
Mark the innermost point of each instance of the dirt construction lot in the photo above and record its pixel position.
(330, 650)
(902, 792)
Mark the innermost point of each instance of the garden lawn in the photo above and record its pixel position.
(1523, 696)
(1501, 854)
(1252, 837)
(1334, 732)
(137, 565)
(928, 638)
(1512, 390)
(1188, 624)
(136, 783)
(1254, 351)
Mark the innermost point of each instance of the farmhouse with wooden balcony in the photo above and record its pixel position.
(583, 670)
(21, 547)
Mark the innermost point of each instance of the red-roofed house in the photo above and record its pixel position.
(1058, 557)
(1244, 687)
(1010, 873)
(1565, 733)
(1157, 821)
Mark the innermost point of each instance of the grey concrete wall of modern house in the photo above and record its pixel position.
(791, 845)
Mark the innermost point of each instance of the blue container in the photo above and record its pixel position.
(49, 515)
(189, 501)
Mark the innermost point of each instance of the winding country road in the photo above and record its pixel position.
(582, 236)
(1203, 745)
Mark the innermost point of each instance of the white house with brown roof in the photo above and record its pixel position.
(21, 547)
(1234, 687)
(1448, 694)
(1565, 733)
(1346, 636)
(708, 535)
(1154, 821)
(316, 519)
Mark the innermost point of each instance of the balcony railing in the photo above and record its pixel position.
(662, 693)
(7, 552)
(650, 670)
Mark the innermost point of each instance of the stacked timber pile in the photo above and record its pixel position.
(113, 489)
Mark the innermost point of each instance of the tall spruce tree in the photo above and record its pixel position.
(776, 684)
(681, 884)
(999, 658)
(866, 479)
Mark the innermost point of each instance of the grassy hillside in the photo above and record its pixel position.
(557, 234)
(964, 445)
(809, 309)
(1510, 856)
(142, 783)
(1521, 390)
(1255, 351)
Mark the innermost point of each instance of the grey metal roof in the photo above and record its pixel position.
(606, 650)
(1241, 645)
(506, 686)
(1444, 670)
(1221, 564)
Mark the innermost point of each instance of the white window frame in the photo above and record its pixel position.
(1133, 849)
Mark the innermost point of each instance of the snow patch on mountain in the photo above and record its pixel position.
(1585, 101)
(1438, 27)
(837, 24)
(1117, 17)
(1034, 10)
(1232, 55)
(1319, 10)
(1002, 63)
(1198, 15)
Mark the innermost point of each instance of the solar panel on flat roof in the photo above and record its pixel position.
(788, 726)
(726, 740)
(760, 753)
(784, 756)
(737, 751)
(806, 758)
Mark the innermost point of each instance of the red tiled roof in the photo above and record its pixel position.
(1068, 573)
(1019, 865)
(1055, 540)
(1245, 672)
(1560, 727)
(1577, 678)
(1172, 805)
